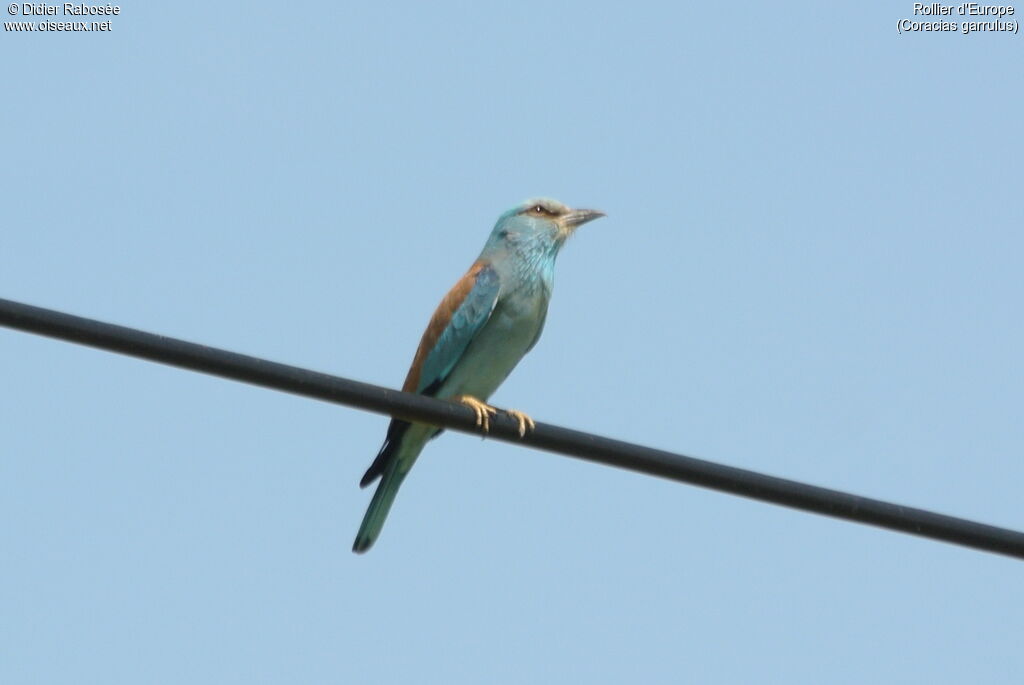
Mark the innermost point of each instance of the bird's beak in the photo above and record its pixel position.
(578, 217)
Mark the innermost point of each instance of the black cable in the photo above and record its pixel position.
(374, 398)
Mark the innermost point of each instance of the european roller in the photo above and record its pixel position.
(484, 325)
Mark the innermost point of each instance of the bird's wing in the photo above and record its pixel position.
(459, 317)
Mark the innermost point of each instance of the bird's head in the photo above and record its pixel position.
(539, 221)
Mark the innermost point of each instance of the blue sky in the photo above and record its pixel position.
(811, 267)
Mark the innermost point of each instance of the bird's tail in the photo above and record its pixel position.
(379, 507)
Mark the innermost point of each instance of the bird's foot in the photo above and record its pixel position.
(484, 411)
(524, 421)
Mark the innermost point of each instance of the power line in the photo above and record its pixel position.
(572, 443)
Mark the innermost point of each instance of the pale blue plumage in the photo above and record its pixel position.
(491, 318)
(466, 322)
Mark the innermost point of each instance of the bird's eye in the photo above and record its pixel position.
(539, 210)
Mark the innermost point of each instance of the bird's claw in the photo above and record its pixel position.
(524, 421)
(484, 411)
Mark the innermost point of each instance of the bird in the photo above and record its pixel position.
(488, 321)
